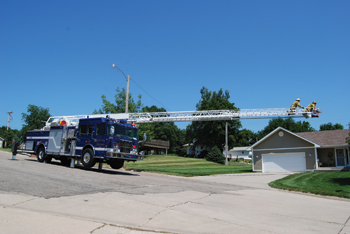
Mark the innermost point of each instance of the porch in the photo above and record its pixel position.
(331, 169)
(330, 158)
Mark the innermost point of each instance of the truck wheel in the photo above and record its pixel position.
(40, 155)
(88, 158)
(116, 163)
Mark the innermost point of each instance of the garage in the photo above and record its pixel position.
(286, 162)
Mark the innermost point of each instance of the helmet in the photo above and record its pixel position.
(314, 102)
(298, 99)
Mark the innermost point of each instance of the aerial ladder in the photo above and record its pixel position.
(113, 138)
(189, 116)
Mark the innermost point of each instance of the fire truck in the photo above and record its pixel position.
(113, 138)
(88, 139)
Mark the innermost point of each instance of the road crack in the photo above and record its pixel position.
(16, 204)
(344, 225)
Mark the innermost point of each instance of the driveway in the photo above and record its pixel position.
(49, 198)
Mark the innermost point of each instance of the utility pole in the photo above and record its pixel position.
(226, 147)
(127, 95)
(10, 117)
(127, 88)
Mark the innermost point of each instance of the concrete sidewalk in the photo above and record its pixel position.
(243, 211)
(248, 205)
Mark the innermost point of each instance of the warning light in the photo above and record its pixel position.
(63, 123)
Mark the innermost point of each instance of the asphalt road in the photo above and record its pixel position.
(26, 175)
(50, 198)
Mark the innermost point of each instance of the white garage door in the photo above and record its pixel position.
(294, 162)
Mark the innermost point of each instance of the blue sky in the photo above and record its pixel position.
(58, 54)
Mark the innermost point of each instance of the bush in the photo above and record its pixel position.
(216, 156)
(181, 151)
(203, 154)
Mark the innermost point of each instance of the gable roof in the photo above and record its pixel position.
(280, 128)
(327, 138)
(239, 149)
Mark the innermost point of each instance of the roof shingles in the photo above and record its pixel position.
(327, 138)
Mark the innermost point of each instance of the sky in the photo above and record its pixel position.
(59, 55)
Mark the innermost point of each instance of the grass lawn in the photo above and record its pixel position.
(181, 166)
(7, 149)
(322, 183)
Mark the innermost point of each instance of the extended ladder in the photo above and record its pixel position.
(211, 115)
(189, 116)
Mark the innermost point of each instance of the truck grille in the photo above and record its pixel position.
(125, 146)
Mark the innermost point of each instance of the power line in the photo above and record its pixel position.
(151, 95)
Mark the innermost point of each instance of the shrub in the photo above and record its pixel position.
(216, 156)
(203, 154)
(181, 151)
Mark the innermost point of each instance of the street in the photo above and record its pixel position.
(50, 198)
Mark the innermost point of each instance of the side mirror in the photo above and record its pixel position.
(112, 131)
(144, 136)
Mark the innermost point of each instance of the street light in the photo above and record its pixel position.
(10, 117)
(127, 88)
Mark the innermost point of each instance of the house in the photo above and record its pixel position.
(1, 142)
(334, 150)
(285, 151)
(191, 150)
(239, 152)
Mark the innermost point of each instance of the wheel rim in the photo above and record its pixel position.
(86, 158)
(41, 155)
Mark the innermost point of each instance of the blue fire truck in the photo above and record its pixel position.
(88, 140)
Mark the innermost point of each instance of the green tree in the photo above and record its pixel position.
(212, 133)
(287, 123)
(245, 138)
(166, 131)
(119, 106)
(35, 118)
(215, 155)
(9, 135)
(330, 126)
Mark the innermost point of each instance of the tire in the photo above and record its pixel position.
(64, 161)
(40, 155)
(116, 163)
(87, 158)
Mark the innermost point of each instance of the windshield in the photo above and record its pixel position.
(52, 119)
(122, 131)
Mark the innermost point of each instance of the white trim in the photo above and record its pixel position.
(336, 158)
(253, 160)
(96, 149)
(308, 147)
(316, 158)
(38, 137)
